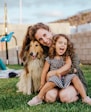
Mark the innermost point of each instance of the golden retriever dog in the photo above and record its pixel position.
(30, 77)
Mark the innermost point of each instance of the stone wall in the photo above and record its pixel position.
(82, 44)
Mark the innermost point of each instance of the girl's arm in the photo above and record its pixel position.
(63, 70)
(66, 68)
(44, 73)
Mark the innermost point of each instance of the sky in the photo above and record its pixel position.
(34, 11)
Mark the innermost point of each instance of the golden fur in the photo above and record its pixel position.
(30, 77)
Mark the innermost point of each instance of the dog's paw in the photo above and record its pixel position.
(18, 91)
(29, 93)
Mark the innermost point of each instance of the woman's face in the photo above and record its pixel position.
(61, 46)
(44, 37)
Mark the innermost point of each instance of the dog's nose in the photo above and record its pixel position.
(31, 53)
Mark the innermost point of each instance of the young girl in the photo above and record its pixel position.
(61, 49)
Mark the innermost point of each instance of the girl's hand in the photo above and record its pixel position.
(41, 86)
(58, 73)
(51, 73)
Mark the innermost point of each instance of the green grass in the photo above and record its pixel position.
(11, 101)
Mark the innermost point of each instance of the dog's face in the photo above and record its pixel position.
(35, 50)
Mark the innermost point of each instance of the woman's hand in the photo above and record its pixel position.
(75, 70)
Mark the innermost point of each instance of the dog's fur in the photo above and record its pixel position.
(30, 77)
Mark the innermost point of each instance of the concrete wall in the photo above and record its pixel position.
(82, 44)
(82, 41)
(19, 33)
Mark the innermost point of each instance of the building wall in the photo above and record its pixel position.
(19, 33)
(82, 44)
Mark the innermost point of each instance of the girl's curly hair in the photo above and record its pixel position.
(70, 48)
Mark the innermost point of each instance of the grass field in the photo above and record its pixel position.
(11, 101)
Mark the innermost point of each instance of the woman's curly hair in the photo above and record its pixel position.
(70, 48)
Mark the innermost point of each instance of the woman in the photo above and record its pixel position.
(43, 34)
(60, 49)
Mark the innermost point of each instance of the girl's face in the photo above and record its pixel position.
(44, 37)
(61, 45)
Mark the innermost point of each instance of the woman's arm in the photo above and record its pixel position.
(75, 63)
(44, 73)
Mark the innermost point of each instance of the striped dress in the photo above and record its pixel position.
(62, 81)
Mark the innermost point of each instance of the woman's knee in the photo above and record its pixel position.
(51, 95)
(68, 95)
(63, 96)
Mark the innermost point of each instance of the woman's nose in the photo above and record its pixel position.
(45, 39)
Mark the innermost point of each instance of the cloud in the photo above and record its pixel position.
(45, 10)
(54, 13)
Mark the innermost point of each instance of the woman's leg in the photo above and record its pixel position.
(68, 94)
(51, 95)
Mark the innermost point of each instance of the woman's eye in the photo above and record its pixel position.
(40, 39)
(44, 35)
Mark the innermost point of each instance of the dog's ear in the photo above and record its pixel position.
(40, 54)
(27, 47)
(25, 57)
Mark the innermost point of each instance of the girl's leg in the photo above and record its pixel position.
(51, 95)
(68, 94)
(48, 86)
(79, 86)
(38, 99)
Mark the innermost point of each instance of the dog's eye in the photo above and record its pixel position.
(36, 45)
